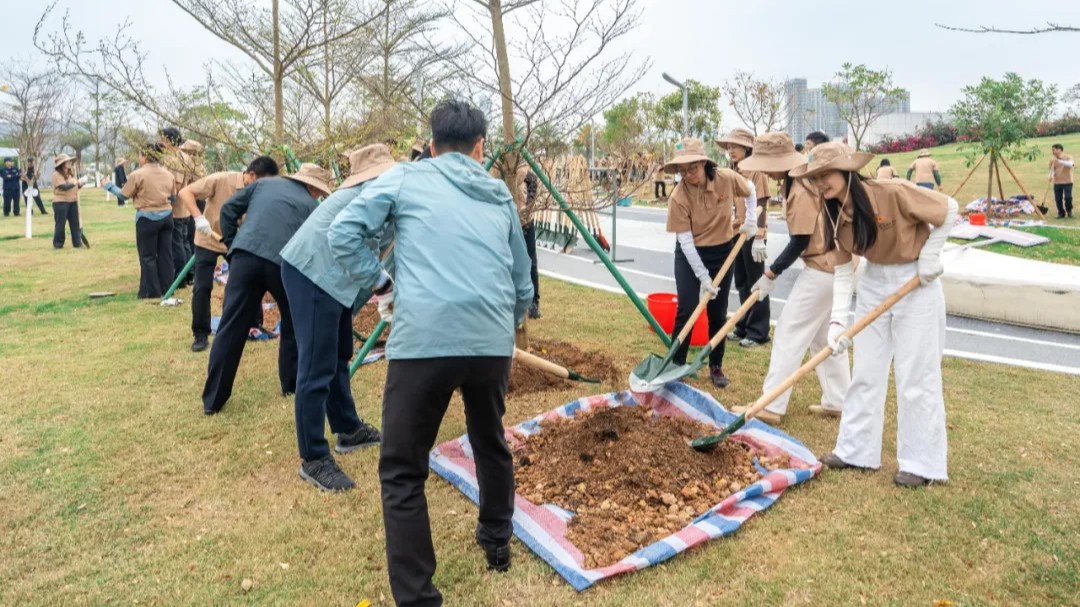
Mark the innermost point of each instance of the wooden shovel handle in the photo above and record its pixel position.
(716, 285)
(734, 319)
(539, 363)
(826, 352)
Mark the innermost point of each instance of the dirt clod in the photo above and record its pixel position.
(526, 380)
(629, 477)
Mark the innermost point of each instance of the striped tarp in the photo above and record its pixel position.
(542, 527)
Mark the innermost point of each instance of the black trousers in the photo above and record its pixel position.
(324, 345)
(182, 246)
(65, 213)
(250, 278)
(152, 239)
(530, 246)
(659, 189)
(415, 398)
(1062, 196)
(755, 325)
(11, 199)
(37, 199)
(205, 262)
(688, 288)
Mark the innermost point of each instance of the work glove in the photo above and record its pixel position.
(202, 225)
(386, 306)
(930, 268)
(837, 340)
(749, 227)
(764, 285)
(757, 250)
(707, 288)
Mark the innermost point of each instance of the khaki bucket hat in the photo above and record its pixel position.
(367, 163)
(61, 159)
(832, 156)
(687, 151)
(924, 153)
(741, 137)
(773, 153)
(120, 161)
(191, 147)
(314, 176)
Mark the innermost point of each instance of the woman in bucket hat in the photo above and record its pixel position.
(804, 322)
(700, 216)
(900, 230)
(753, 329)
(65, 201)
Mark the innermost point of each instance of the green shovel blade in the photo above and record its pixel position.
(654, 383)
(588, 380)
(708, 443)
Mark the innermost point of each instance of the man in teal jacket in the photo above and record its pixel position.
(321, 298)
(461, 286)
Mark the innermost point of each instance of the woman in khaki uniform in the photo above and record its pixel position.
(65, 201)
(886, 171)
(804, 321)
(899, 229)
(150, 188)
(753, 329)
(700, 216)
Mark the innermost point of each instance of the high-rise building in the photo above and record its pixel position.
(809, 111)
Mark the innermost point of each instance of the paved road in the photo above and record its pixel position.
(641, 237)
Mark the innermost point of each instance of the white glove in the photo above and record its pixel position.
(764, 285)
(837, 340)
(707, 288)
(386, 306)
(202, 225)
(749, 227)
(930, 256)
(930, 268)
(757, 250)
(83, 180)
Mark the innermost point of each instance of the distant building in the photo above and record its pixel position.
(809, 111)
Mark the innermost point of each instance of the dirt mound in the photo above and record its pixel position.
(526, 380)
(629, 477)
(365, 320)
(270, 317)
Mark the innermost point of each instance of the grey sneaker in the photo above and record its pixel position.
(534, 311)
(835, 463)
(325, 474)
(909, 480)
(733, 336)
(365, 436)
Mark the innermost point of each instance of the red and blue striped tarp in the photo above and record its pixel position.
(543, 527)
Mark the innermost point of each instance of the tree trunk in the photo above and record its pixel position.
(279, 81)
(990, 180)
(326, 72)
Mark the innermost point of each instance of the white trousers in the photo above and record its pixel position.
(911, 336)
(804, 325)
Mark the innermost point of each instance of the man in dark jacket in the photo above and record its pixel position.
(11, 177)
(275, 209)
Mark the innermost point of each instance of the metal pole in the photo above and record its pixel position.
(685, 104)
(28, 203)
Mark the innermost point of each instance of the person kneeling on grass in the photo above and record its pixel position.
(462, 286)
(321, 298)
(899, 229)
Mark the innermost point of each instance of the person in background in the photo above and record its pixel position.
(180, 165)
(12, 187)
(275, 209)
(752, 330)
(700, 216)
(800, 148)
(196, 170)
(659, 183)
(462, 286)
(815, 139)
(65, 201)
(120, 176)
(1061, 174)
(886, 171)
(149, 189)
(215, 189)
(900, 230)
(925, 170)
(30, 179)
(321, 298)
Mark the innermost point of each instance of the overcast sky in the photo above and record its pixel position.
(705, 39)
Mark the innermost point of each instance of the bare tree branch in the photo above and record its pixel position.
(982, 29)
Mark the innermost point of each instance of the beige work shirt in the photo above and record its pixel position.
(71, 195)
(215, 189)
(888, 172)
(924, 170)
(705, 211)
(904, 213)
(185, 169)
(1062, 174)
(803, 211)
(149, 188)
(761, 189)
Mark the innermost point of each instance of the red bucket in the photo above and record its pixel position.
(663, 306)
(977, 219)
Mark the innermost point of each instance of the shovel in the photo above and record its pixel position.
(653, 367)
(707, 443)
(547, 366)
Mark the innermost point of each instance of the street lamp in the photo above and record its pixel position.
(685, 103)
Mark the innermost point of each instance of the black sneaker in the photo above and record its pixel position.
(325, 474)
(498, 557)
(201, 343)
(366, 436)
(718, 378)
(534, 311)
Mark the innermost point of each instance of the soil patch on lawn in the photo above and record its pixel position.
(629, 476)
(365, 320)
(526, 380)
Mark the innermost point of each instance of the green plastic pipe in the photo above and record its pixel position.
(595, 246)
(366, 349)
(179, 278)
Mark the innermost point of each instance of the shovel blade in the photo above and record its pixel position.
(655, 382)
(709, 442)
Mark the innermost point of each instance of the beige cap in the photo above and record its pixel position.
(924, 153)
(191, 147)
(832, 156)
(773, 153)
(741, 137)
(61, 159)
(314, 176)
(367, 163)
(687, 151)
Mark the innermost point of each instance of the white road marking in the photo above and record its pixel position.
(1012, 362)
(1025, 340)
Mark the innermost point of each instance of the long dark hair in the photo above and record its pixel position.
(710, 171)
(864, 219)
(789, 181)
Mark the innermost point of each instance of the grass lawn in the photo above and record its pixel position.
(115, 489)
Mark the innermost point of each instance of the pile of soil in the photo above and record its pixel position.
(365, 320)
(629, 477)
(270, 317)
(526, 380)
